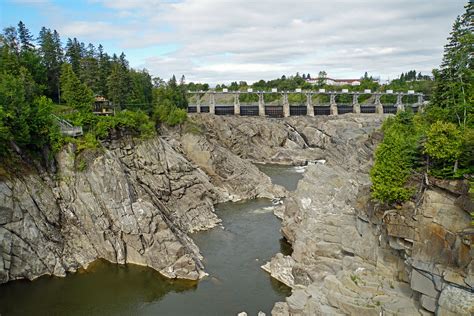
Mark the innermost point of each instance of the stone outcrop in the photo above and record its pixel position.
(139, 201)
(351, 257)
(259, 140)
(225, 169)
(132, 202)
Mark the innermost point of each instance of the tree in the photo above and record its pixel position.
(10, 38)
(322, 76)
(74, 54)
(140, 96)
(74, 92)
(105, 68)
(394, 159)
(453, 92)
(51, 56)
(118, 84)
(443, 143)
(26, 39)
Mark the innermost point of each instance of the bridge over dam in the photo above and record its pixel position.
(336, 102)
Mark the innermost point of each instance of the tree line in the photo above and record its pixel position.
(41, 76)
(440, 141)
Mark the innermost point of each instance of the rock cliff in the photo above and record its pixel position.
(139, 202)
(351, 257)
(131, 202)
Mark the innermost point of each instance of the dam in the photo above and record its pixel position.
(338, 102)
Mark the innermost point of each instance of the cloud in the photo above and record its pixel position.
(222, 40)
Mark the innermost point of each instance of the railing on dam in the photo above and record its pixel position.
(372, 103)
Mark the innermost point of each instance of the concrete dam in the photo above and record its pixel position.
(285, 108)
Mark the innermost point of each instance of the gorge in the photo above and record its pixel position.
(146, 202)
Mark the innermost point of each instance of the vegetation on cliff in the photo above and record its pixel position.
(439, 141)
(41, 78)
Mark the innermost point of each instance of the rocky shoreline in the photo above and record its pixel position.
(353, 257)
(139, 202)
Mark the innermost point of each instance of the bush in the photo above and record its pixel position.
(395, 159)
(444, 145)
(443, 142)
(168, 113)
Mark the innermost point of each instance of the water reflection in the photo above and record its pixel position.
(233, 254)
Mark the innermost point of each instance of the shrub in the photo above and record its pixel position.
(444, 146)
(168, 113)
(395, 159)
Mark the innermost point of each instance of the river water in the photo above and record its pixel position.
(233, 255)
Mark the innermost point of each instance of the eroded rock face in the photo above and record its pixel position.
(226, 170)
(349, 258)
(138, 201)
(133, 203)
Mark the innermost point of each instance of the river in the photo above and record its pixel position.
(233, 254)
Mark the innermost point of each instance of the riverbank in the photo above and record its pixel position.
(140, 201)
(353, 257)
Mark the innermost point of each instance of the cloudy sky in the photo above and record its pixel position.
(222, 41)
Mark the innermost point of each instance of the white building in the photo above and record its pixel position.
(335, 82)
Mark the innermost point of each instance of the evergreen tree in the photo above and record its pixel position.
(123, 61)
(74, 92)
(118, 85)
(89, 69)
(453, 94)
(10, 38)
(140, 96)
(74, 54)
(103, 71)
(51, 56)
(26, 39)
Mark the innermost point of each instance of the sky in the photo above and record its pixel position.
(217, 41)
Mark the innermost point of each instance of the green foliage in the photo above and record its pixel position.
(31, 74)
(118, 84)
(453, 96)
(445, 130)
(443, 141)
(136, 120)
(395, 159)
(82, 165)
(466, 159)
(168, 113)
(5, 134)
(88, 141)
(140, 96)
(74, 92)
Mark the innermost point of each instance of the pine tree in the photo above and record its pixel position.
(51, 55)
(26, 39)
(10, 38)
(140, 96)
(89, 73)
(74, 92)
(453, 93)
(74, 54)
(118, 85)
(103, 71)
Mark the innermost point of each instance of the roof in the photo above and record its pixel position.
(100, 98)
(342, 80)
